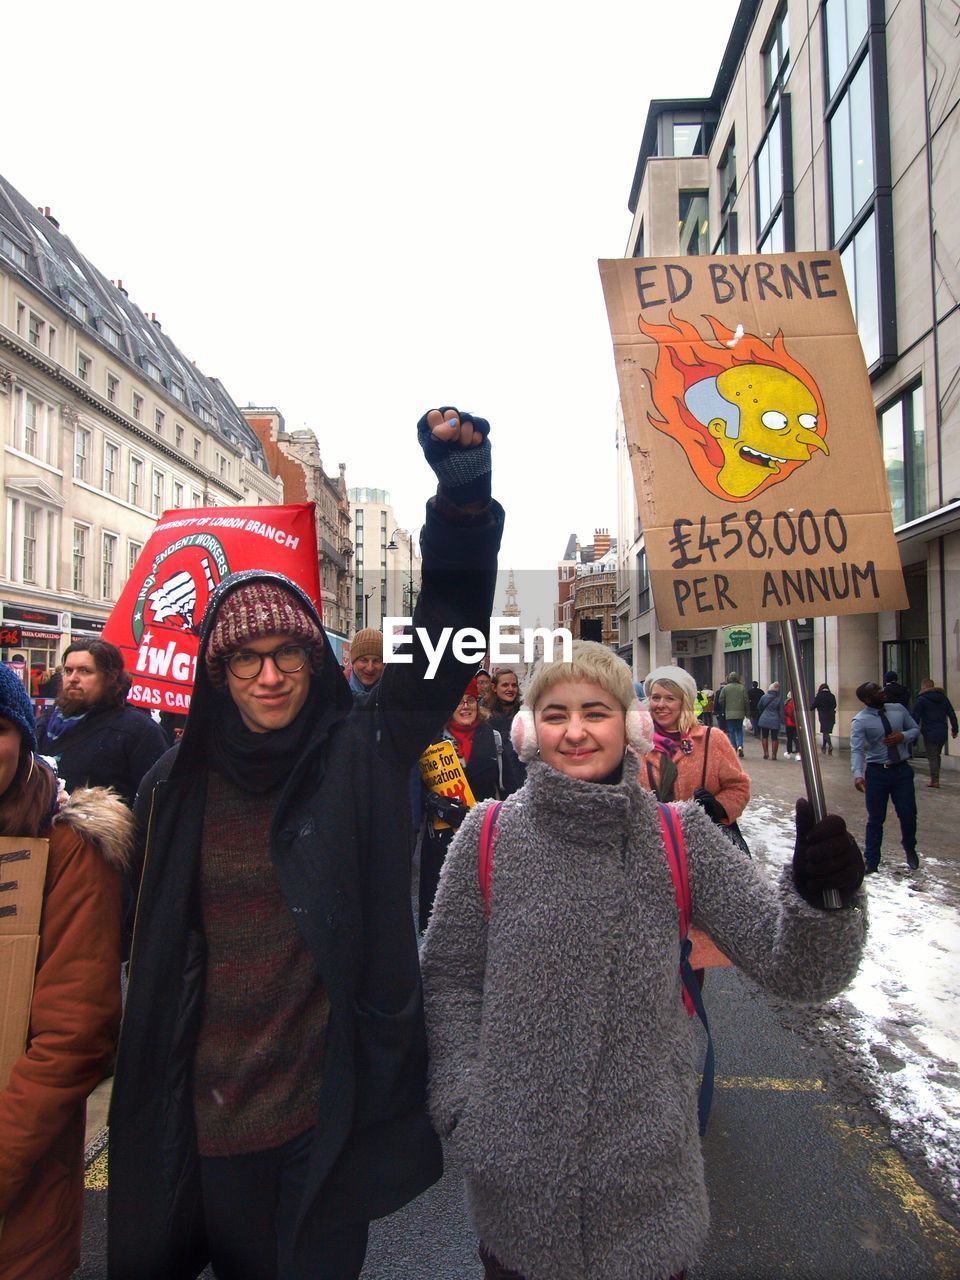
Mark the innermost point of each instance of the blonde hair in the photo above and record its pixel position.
(688, 717)
(589, 661)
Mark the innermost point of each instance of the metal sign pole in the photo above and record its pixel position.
(812, 777)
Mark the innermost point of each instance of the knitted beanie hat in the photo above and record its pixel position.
(253, 612)
(591, 662)
(367, 643)
(472, 690)
(15, 706)
(677, 674)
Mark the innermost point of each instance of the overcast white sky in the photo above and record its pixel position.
(355, 212)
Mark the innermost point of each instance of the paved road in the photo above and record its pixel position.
(804, 1180)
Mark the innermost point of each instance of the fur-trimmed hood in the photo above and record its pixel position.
(100, 817)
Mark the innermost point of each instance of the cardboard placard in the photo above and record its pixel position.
(23, 869)
(442, 773)
(753, 439)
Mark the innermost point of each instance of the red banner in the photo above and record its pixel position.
(156, 621)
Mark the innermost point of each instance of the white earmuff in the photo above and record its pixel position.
(523, 734)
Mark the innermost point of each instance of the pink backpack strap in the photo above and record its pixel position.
(676, 852)
(488, 833)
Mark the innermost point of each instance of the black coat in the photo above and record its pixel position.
(825, 705)
(753, 702)
(110, 747)
(931, 711)
(342, 859)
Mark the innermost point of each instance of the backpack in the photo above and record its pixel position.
(676, 853)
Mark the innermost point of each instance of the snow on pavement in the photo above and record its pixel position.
(898, 1019)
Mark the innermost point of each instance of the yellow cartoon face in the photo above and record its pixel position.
(761, 418)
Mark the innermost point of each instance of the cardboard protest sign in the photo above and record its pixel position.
(23, 869)
(155, 623)
(442, 772)
(753, 439)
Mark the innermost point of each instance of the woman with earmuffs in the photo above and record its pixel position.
(562, 1064)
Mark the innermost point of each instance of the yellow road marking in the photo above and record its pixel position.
(96, 1175)
(771, 1083)
(887, 1172)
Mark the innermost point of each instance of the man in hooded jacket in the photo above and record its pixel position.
(269, 1097)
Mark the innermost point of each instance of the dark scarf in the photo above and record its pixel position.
(59, 723)
(258, 762)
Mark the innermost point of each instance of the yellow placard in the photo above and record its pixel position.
(443, 774)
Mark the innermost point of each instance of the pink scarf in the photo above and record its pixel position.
(671, 743)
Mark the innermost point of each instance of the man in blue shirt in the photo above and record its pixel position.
(880, 738)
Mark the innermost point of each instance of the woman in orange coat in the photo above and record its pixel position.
(75, 1009)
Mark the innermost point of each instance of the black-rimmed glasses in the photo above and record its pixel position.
(245, 664)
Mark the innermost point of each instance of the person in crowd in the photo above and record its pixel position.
(734, 705)
(719, 718)
(893, 690)
(585, 1046)
(705, 702)
(771, 720)
(270, 1093)
(483, 685)
(366, 661)
(690, 762)
(792, 750)
(503, 698)
(880, 738)
(931, 711)
(825, 705)
(75, 1007)
(754, 694)
(51, 683)
(492, 772)
(95, 736)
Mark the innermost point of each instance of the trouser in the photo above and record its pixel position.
(433, 851)
(250, 1203)
(826, 741)
(883, 783)
(494, 1270)
(933, 751)
(735, 733)
(792, 742)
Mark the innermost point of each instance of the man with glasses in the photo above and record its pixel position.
(269, 1098)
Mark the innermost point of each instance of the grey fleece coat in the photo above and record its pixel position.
(562, 1059)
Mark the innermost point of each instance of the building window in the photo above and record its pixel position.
(133, 555)
(643, 582)
(136, 481)
(223, 467)
(84, 365)
(80, 538)
(178, 435)
(152, 370)
(196, 449)
(693, 223)
(111, 336)
(32, 420)
(858, 144)
(904, 457)
(774, 181)
(727, 241)
(78, 307)
(689, 138)
(776, 61)
(159, 483)
(204, 414)
(137, 406)
(158, 416)
(176, 390)
(12, 251)
(108, 565)
(35, 329)
(113, 387)
(727, 174)
(29, 566)
(196, 498)
(177, 493)
(81, 454)
(639, 246)
(111, 457)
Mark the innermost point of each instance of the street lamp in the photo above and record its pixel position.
(393, 546)
(366, 604)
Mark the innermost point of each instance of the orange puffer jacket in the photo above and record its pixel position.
(74, 1020)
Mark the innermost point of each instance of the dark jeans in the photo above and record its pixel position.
(793, 742)
(735, 733)
(933, 752)
(250, 1203)
(881, 785)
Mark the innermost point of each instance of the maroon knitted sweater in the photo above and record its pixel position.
(259, 1055)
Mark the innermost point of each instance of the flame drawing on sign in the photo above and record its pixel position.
(745, 413)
